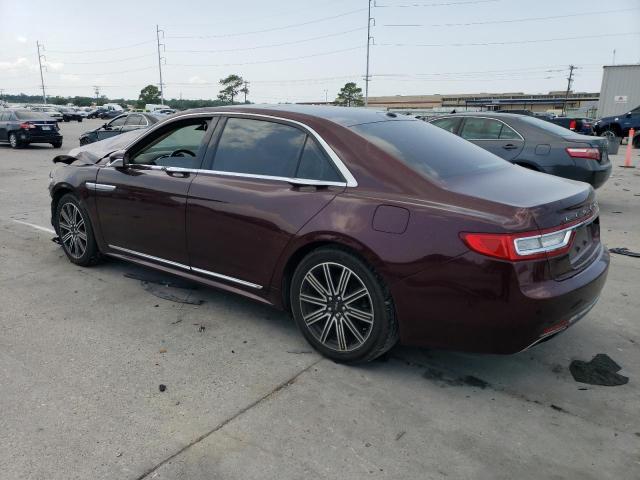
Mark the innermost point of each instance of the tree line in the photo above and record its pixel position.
(234, 90)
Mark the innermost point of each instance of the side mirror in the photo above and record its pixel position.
(118, 159)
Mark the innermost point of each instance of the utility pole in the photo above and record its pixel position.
(326, 96)
(613, 60)
(160, 62)
(44, 96)
(366, 77)
(96, 89)
(569, 80)
(245, 90)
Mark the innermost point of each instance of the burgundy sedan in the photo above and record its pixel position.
(369, 227)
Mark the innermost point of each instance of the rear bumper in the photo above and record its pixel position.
(477, 304)
(27, 137)
(589, 171)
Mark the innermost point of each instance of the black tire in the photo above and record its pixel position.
(80, 120)
(64, 225)
(362, 340)
(56, 144)
(14, 142)
(66, 119)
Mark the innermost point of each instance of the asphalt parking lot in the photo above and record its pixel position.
(83, 352)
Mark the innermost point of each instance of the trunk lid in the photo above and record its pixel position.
(588, 141)
(553, 202)
(43, 127)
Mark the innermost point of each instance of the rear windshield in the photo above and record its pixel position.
(548, 126)
(29, 115)
(429, 149)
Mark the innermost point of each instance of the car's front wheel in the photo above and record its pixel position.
(56, 144)
(342, 306)
(74, 230)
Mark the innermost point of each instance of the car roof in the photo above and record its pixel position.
(345, 116)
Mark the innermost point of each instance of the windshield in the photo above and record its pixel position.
(29, 115)
(428, 149)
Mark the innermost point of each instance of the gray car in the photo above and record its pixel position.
(534, 143)
(122, 123)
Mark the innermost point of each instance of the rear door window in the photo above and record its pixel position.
(481, 129)
(314, 164)
(450, 124)
(118, 122)
(133, 120)
(259, 147)
(508, 133)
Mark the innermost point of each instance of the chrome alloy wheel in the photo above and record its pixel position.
(336, 306)
(73, 231)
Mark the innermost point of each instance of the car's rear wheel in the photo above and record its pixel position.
(56, 144)
(342, 306)
(13, 141)
(74, 230)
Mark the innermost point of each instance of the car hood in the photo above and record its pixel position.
(93, 152)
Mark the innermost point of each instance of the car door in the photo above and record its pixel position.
(141, 207)
(4, 120)
(264, 180)
(114, 127)
(493, 135)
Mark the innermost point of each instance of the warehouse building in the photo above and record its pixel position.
(620, 91)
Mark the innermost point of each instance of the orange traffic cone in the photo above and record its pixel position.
(627, 156)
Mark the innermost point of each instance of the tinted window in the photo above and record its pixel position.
(508, 133)
(118, 122)
(177, 146)
(481, 129)
(429, 149)
(133, 120)
(258, 147)
(29, 115)
(314, 164)
(547, 126)
(449, 124)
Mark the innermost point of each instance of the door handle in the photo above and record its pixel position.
(178, 172)
(510, 146)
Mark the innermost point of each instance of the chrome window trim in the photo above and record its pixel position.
(487, 139)
(350, 180)
(187, 267)
(567, 231)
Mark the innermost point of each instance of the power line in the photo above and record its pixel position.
(73, 52)
(137, 57)
(437, 4)
(514, 42)
(321, 54)
(513, 20)
(293, 42)
(284, 27)
(112, 73)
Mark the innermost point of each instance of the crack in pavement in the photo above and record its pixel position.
(225, 422)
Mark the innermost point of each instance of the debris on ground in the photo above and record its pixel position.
(163, 350)
(601, 370)
(299, 352)
(164, 280)
(162, 387)
(624, 251)
(118, 454)
(400, 435)
(169, 293)
(201, 328)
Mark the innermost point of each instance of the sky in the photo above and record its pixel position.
(303, 51)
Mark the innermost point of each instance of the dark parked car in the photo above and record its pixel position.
(22, 127)
(584, 126)
(69, 114)
(619, 125)
(95, 113)
(535, 144)
(120, 124)
(110, 114)
(369, 227)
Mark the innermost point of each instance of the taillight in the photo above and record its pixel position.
(523, 246)
(572, 125)
(592, 153)
(27, 125)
